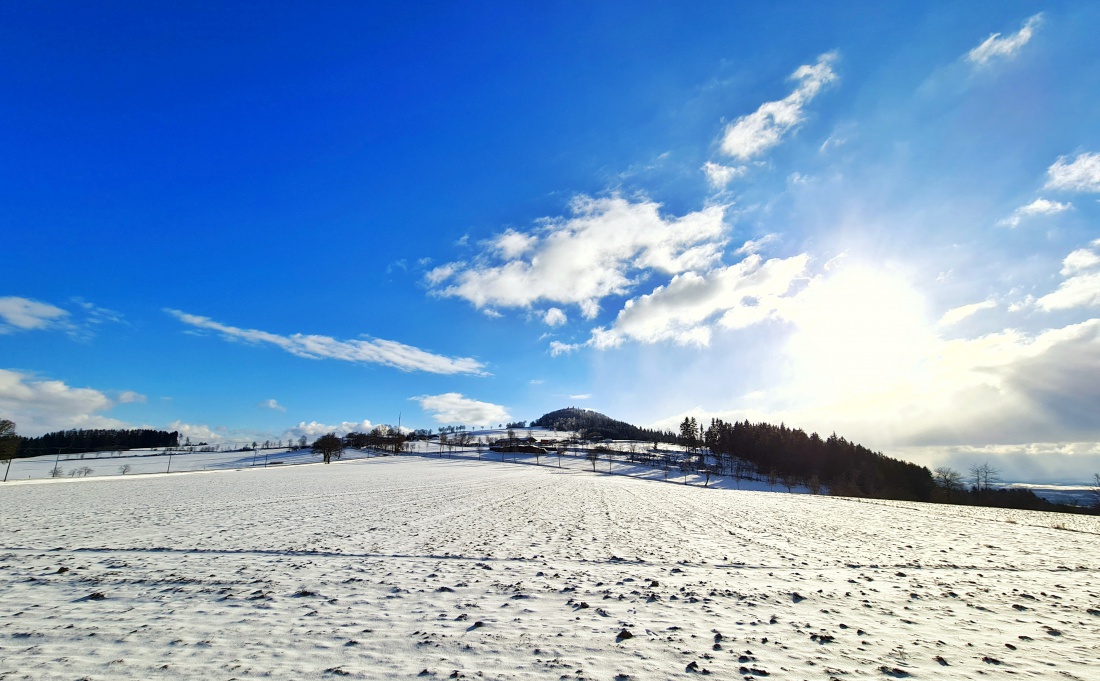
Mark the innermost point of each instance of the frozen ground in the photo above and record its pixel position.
(449, 568)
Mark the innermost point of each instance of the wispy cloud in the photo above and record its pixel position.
(583, 258)
(369, 351)
(1033, 209)
(957, 314)
(753, 134)
(271, 404)
(1082, 174)
(996, 47)
(455, 408)
(24, 314)
(719, 176)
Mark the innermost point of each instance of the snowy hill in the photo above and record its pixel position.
(407, 566)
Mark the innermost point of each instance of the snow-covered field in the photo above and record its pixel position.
(451, 568)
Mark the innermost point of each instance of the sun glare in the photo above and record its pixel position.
(859, 330)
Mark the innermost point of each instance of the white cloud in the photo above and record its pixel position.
(755, 245)
(1078, 261)
(753, 134)
(196, 433)
(271, 404)
(512, 244)
(685, 310)
(23, 314)
(554, 317)
(1036, 207)
(313, 429)
(957, 314)
(442, 273)
(586, 257)
(39, 406)
(454, 408)
(559, 348)
(996, 47)
(1081, 288)
(1080, 175)
(583, 396)
(373, 351)
(131, 397)
(719, 176)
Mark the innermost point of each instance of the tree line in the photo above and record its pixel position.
(91, 440)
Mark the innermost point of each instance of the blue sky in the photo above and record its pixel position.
(259, 222)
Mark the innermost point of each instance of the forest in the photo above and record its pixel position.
(94, 440)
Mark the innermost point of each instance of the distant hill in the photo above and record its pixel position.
(845, 468)
(595, 424)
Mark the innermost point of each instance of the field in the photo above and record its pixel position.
(448, 568)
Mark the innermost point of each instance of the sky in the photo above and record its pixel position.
(248, 222)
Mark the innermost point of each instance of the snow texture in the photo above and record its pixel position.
(451, 568)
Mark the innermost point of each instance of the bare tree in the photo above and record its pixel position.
(593, 456)
(814, 484)
(984, 476)
(560, 450)
(123, 470)
(328, 446)
(948, 479)
(56, 472)
(1096, 490)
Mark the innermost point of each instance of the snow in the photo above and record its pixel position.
(450, 567)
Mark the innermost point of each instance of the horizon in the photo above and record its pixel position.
(261, 223)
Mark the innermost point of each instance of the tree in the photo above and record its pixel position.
(984, 476)
(689, 433)
(9, 443)
(593, 457)
(328, 446)
(1095, 490)
(947, 479)
(123, 470)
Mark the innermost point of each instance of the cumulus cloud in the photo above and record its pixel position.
(583, 258)
(39, 406)
(554, 317)
(1081, 286)
(23, 314)
(313, 429)
(1081, 260)
(368, 351)
(753, 134)
(1036, 207)
(997, 47)
(272, 404)
(1082, 174)
(196, 433)
(685, 310)
(957, 314)
(719, 176)
(455, 408)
